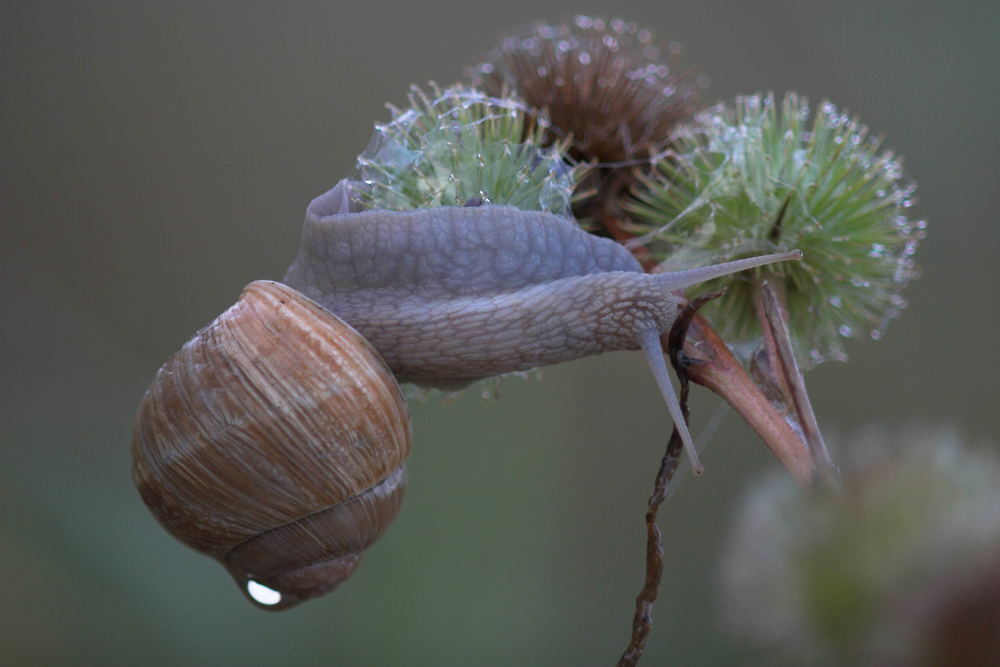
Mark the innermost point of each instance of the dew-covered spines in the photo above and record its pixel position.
(749, 177)
(461, 147)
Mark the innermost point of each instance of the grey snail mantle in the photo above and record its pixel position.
(452, 294)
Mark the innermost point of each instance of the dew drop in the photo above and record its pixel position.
(845, 331)
(263, 594)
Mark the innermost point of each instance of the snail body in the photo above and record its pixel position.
(454, 294)
(274, 441)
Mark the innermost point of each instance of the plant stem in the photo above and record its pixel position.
(642, 621)
(796, 385)
(725, 376)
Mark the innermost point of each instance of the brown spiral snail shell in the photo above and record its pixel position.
(274, 441)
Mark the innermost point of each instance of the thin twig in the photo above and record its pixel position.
(642, 621)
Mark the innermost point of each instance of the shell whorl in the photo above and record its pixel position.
(274, 441)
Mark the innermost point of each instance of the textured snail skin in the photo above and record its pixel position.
(274, 441)
(470, 292)
(452, 294)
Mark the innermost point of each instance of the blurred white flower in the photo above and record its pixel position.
(900, 567)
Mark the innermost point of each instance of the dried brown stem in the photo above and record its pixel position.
(642, 622)
(698, 354)
(725, 376)
(770, 344)
(795, 383)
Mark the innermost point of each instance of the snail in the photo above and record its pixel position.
(274, 440)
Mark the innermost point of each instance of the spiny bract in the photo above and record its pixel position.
(747, 178)
(604, 83)
(459, 147)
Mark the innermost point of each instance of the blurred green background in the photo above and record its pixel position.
(154, 158)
